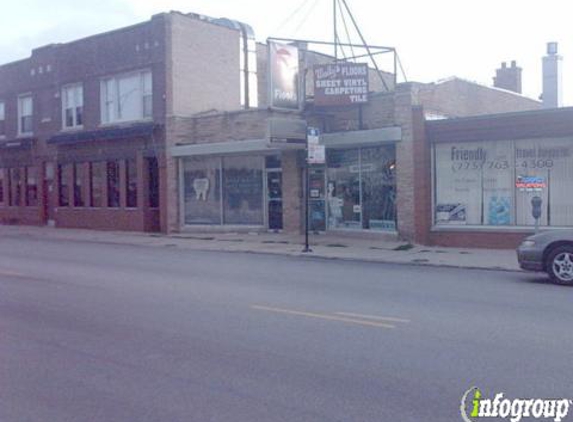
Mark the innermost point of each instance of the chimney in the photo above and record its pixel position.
(508, 77)
(552, 78)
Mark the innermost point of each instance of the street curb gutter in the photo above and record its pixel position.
(311, 256)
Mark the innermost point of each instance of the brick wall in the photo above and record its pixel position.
(204, 60)
(293, 212)
(457, 98)
(405, 98)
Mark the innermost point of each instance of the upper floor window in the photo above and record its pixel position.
(72, 106)
(126, 97)
(2, 119)
(25, 114)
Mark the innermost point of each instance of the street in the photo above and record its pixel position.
(107, 332)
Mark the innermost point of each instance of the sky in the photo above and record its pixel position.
(434, 39)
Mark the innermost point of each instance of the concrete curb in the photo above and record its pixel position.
(164, 241)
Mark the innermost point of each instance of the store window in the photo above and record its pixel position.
(79, 176)
(16, 185)
(202, 190)
(9, 194)
(2, 186)
(131, 183)
(72, 106)
(63, 186)
(31, 186)
(361, 188)
(112, 184)
(493, 183)
(225, 190)
(243, 190)
(97, 180)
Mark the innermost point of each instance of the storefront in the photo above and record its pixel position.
(488, 171)
(355, 190)
(234, 190)
(250, 184)
(492, 184)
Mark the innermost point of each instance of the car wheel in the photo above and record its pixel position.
(560, 265)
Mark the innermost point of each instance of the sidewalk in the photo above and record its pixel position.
(327, 246)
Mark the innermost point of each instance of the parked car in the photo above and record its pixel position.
(551, 252)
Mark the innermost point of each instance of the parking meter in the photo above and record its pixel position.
(536, 202)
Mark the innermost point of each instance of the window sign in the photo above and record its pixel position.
(492, 183)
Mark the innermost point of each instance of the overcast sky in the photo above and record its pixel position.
(435, 39)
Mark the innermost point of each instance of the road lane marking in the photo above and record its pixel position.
(374, 317)
(323, 316)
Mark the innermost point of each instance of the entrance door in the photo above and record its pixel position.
(275, 199)
(49, 200)
(316, 204)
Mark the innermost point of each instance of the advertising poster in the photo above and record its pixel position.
(283, 76)
(451, 213)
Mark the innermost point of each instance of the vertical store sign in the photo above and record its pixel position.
(283, 76)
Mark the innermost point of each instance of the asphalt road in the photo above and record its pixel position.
(96, 332)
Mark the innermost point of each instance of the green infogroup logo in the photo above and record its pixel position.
(474, 407)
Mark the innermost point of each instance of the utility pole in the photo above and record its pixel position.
(334, 17)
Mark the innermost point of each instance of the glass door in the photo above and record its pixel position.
(275, 199)
(317, 195)
(343, 190)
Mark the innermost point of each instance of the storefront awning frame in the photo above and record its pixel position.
(360, 138)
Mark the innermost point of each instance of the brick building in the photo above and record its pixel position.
(83, 125)
(374, 178)
(166, 125)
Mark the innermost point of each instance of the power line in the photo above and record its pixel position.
(292, 15)
(312, 7)
(346, 29)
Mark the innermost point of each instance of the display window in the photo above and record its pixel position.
(223, 190)
(493, 183)
(361, 188)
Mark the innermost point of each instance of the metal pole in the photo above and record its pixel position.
(366, 46)
(335, 29)
(306, 198)
(376, 47)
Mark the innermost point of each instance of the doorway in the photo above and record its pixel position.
(275, 199)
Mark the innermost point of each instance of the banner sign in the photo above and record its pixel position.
(316, 152)
(283, 76)
(340, 84)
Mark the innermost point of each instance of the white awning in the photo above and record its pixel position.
(234, 147)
